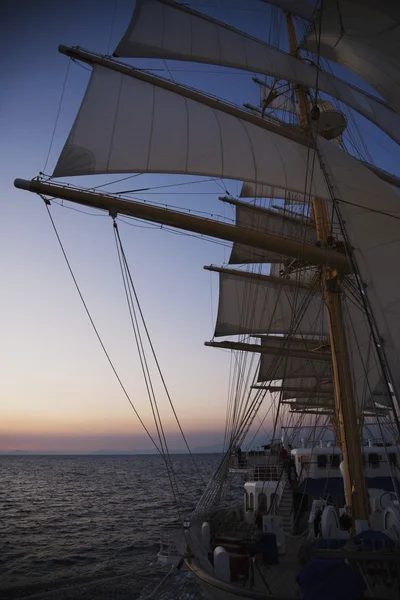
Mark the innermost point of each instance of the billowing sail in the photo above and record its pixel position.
(260, 219)
(276, 367)
(364, 37)
(373, 230)
(165, 29)
(166, 132)
(271, 305)
(173, 133)
(310, 383)
(381, 395)
(257, 190)
(320, 395)
(180, 132)
(302, 405)
(364, 365)
(268, 305)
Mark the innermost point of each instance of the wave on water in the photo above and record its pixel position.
(80, 527)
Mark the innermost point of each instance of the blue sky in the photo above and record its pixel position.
(57, 390)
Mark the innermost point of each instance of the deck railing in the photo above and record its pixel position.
(264, 473)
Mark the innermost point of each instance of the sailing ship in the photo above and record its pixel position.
(311, 292)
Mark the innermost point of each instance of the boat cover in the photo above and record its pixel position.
(329, 580)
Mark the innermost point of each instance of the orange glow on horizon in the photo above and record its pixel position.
(38, 425)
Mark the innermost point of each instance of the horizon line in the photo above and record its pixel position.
(101, 452)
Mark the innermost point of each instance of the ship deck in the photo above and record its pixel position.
(281, 578)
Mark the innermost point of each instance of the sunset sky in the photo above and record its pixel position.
(58, 392)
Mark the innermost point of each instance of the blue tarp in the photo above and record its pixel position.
(329, 580)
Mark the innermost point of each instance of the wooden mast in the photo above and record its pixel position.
(345, 410)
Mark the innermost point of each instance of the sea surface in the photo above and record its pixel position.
(80, 527)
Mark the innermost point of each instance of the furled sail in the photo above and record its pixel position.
(165, 29)
(261, 219)
(252, 306)
(368, 46)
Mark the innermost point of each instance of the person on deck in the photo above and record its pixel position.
(283, 456)
(292, 474)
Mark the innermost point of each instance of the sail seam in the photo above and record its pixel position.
(244, 125)
(220, 140)
(115, 121)
(187, 135)
(151, 126)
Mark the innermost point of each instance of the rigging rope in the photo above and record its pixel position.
(47, 202)
(112, 26)
(58, 115)
(128, 274)
(145, 370)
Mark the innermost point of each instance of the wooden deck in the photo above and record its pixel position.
(281, 578)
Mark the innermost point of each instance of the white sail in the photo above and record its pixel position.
(257, 190)
(302, 404)
(275, 367)
(320, 398)
(364, 364)
(381, 395)
(373, 228)
(164, 29)
(306, 382)
(170, 133)
(368, 45)
(260, 219)
(241, 254)
(280, 102)
(254, 306)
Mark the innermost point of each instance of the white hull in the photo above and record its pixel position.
(221, 590)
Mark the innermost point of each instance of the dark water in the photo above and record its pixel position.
(70, 522)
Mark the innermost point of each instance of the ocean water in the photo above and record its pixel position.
(79, 527)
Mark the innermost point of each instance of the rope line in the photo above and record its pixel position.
(128, 273)
(109, 360)
(58, 115)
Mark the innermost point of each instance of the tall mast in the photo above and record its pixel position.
(345, 408)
